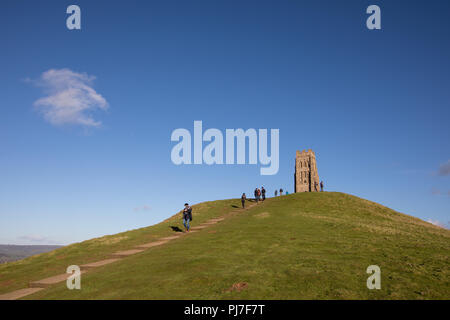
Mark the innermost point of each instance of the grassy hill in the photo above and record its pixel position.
(299, 246)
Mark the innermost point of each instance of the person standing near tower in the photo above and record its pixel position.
(321, 186)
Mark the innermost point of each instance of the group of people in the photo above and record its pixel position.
(260, 194)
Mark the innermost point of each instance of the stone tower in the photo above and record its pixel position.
(306, 175)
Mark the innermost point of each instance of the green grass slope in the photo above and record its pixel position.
(17, 275)
(300, 246)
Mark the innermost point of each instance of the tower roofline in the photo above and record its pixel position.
(304, 152)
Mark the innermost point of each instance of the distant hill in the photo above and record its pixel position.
(300, 246)
(10, 252)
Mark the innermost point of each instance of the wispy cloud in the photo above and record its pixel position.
(70, 98)
(413, 172)
(142, 208)
(444, 169)
(33, 238)
(437, 192)
(437, 223)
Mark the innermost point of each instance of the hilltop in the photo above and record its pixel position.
(299, 246)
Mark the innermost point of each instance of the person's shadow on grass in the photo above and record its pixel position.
(176, 229)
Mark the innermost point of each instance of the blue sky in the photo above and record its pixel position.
(373, 105)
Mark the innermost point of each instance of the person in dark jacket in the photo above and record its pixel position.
(263, 192)
(187, 216)
(321, 186)
(256, 195)
(243, 198)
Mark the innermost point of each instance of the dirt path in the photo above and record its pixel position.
(35, 286)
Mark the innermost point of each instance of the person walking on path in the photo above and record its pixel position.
(263, 192)
(281, 192)
(276, 192)
(243, 198)
(187, 216)
(321, 186)
(256, 195)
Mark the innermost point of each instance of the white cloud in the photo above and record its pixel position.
(437, 192)
(437, 223)
(70, 98)
(33, 238)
